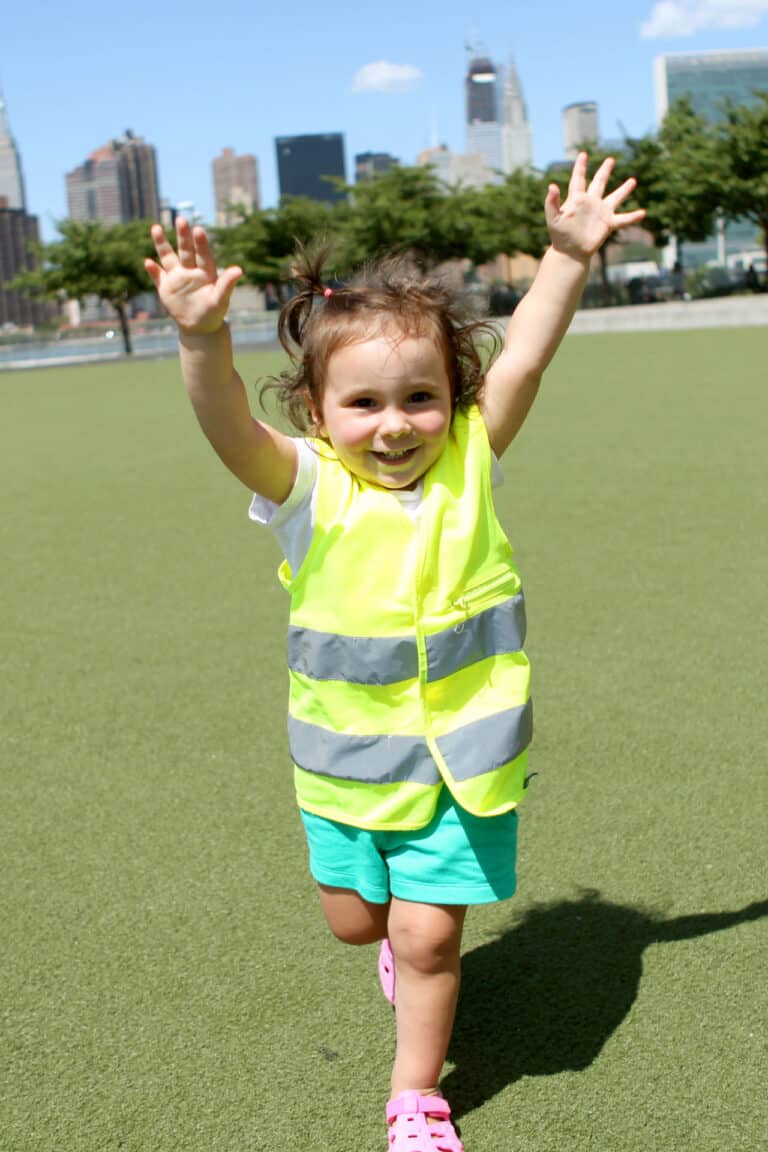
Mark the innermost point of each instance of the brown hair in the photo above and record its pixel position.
(394, 291)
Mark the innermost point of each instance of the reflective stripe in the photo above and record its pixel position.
(368, 759)
(470, 751)
(390, 660)
(492, 632)
(483, 745)
(354, 659)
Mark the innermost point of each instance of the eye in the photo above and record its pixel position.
(363, 402)
(420, 397)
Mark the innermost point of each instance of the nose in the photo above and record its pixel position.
(394, 422)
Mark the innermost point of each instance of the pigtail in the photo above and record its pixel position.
(306, 274)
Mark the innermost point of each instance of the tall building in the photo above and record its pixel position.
(235, 185)
(517, 138)
(305, 163)
(11, 175)
(369, 164)
(117, 183)
(497, 118)
(580, 127)
(453, 168)
(708, 79)
(482, 87)
(18, 232)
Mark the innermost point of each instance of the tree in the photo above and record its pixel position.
(398, 210)
(261, 242)
(679, 176)
(94, 259)
(743, 138)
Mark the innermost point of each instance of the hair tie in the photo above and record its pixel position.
(328, 292)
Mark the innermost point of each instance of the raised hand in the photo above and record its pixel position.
(582, 224)
(194, 294)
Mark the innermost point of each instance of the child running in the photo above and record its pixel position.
(409, 708)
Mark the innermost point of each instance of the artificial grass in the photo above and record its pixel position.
(167, 980)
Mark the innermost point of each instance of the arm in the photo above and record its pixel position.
(196, 297)
(577, 229)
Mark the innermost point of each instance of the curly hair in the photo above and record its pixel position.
(393, 292)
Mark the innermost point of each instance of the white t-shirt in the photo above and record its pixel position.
(293, 521)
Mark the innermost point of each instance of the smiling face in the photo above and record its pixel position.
(386, 407)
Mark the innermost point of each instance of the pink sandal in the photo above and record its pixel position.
(410, 1131)
(387, 970)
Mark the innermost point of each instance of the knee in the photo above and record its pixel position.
(427, 949)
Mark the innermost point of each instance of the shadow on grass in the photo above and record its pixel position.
(545, 996)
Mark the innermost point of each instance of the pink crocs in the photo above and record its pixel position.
(410, 1131)
(387, 970)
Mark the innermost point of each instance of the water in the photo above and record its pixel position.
(158, 342)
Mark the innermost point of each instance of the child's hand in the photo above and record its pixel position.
(585, 221)
(195, 296)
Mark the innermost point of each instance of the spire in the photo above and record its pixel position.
(11, 176)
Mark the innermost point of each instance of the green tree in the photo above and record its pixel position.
(94, 259)
(679, 174)
(398, 210)
(743, 138)
(262, 242)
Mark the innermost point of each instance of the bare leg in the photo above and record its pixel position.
(426, 943)
(351, 918)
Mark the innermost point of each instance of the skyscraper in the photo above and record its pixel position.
(18, 234)
(497, 118)
(580, 126)
(117, 183)
(517, 138)
(11, 176)
(483, 98)
(235, 185)
(708, 79)
(304, 164)
(368, 164)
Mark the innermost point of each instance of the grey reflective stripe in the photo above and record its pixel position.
(483, 745)
(354, 659)
(391, 659)
(369, 759)
(470, 751)
(491, 633)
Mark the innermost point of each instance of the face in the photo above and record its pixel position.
(386, 407)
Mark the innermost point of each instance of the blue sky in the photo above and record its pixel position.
(193, 77)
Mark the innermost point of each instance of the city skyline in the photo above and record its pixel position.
(255, 79)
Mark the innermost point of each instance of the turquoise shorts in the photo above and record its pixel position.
(457, 859)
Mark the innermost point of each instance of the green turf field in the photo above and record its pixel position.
(166, 981)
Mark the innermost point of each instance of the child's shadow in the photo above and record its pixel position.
(546, 995)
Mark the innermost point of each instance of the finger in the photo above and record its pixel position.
(552, 204)
(226, 284)
(185, 243)
(203, 253)
(163, 247)
(620, 194)
(154, 271)
(578, 181)
(600, 179)
(624, 219)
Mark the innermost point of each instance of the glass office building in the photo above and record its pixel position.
(709, 79)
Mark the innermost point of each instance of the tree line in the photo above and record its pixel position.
(689, 174)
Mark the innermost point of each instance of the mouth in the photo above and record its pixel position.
(401, 456)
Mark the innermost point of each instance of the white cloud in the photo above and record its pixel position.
(383, 76)
(675, 18)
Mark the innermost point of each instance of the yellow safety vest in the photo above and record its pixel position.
(405, 647)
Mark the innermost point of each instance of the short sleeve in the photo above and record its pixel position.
(292, 521)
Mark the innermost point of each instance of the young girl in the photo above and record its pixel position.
(409, 712)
